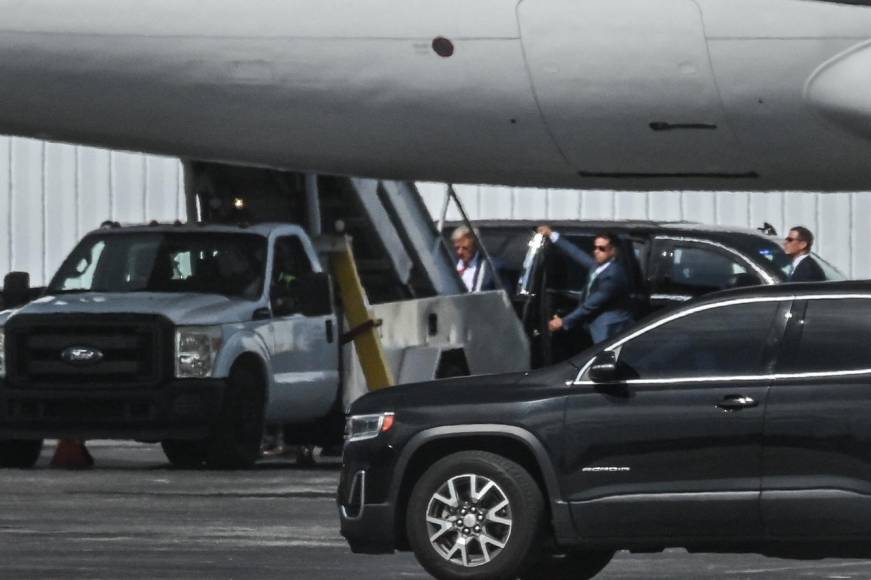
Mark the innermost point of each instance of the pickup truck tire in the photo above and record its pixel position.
(573, 565)
(21, 453)
(475, 515)
(184, 454)
(238, 432)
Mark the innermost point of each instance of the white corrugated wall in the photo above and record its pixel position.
(51, 194)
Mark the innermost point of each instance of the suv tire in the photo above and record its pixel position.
(475, 515)
(21, 453)
(238, 432)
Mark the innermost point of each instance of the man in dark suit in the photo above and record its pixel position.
(605, 303)
(797, 246)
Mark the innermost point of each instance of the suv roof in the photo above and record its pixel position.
(625, 226)
(503, 238)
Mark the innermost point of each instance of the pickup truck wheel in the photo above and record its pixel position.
(573, 565)
(22, 453)
(236, 437)
(475, 515)
(184, 454)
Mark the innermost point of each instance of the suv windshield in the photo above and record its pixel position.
(211, 263)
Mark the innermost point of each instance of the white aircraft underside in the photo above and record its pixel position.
(626, 94)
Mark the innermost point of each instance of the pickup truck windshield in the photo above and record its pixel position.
(211, 263)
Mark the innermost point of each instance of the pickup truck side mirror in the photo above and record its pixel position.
(16, 289)
(604, 368)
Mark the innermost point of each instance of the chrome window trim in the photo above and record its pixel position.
(740, 378)
(737, 379)
(675, 297)
(674, 496)
(833, 296)
(766, 277)
(534, 245)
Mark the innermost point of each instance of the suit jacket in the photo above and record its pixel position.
(807, 271)
(606, 307)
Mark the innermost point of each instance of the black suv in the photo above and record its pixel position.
(739, 421)
(668, 263)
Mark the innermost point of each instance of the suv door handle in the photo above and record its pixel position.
(736, 402)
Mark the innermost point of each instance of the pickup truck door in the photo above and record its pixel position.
(305, 357)
(817, 477)
(675, 448)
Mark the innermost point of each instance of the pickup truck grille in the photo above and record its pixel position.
(132, 350)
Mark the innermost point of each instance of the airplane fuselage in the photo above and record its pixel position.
(626, 94)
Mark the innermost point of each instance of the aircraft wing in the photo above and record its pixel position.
(625, 94)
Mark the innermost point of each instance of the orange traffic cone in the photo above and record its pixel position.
(72, 454)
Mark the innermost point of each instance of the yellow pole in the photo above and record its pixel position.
(363, 328)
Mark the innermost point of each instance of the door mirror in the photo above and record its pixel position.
(604, 368)
(16, 289)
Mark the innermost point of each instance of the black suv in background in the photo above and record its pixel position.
(737, 422)
(668, 263)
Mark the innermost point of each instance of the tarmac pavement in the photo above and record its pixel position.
(133, 517)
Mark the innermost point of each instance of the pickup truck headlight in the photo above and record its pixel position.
(196, 348)
(2, 353)
(360, 427)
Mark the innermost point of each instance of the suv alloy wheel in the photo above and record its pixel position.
(475, 514)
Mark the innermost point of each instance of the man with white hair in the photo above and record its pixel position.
(476, 273)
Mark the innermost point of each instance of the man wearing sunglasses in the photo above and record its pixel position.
(797, 246)
(605, 305)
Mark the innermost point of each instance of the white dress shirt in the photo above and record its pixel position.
(472, 273)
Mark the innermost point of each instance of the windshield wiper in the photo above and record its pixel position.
(69, 291)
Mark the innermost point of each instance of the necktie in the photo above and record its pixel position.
(593, 275)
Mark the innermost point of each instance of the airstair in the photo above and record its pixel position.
(409, 297)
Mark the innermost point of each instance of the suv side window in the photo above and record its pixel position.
(693, 269)
(835, 336)
(704, 343)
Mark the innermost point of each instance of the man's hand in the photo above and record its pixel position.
(555, 324)
(545, 231)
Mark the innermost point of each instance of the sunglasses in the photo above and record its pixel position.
(791, 240)
(601, 248)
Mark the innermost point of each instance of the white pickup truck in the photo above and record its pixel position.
(200, 336)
